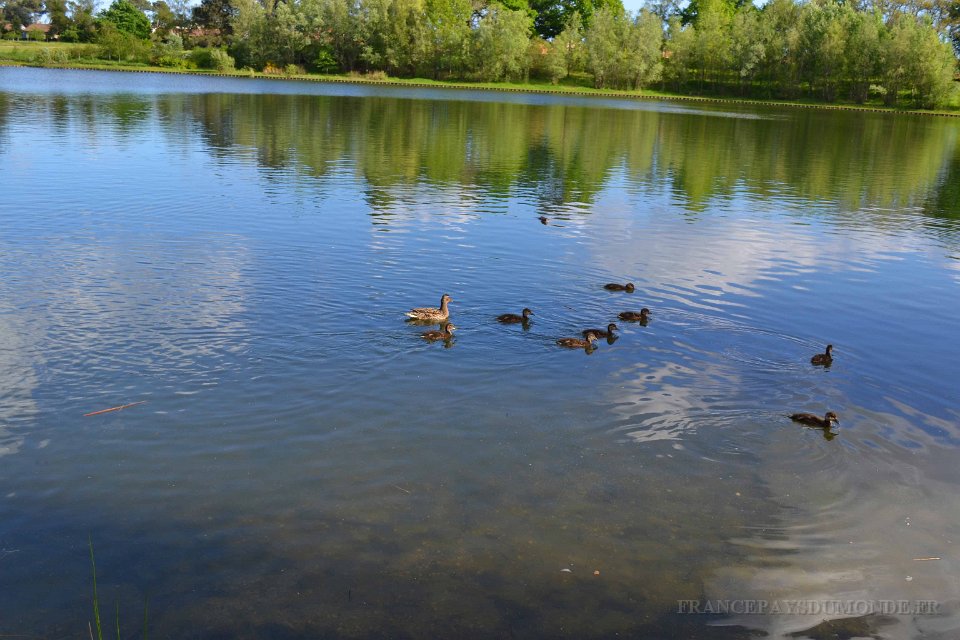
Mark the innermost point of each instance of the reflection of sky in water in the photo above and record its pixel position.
(245, 272)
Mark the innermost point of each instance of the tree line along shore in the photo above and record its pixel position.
(871, 52)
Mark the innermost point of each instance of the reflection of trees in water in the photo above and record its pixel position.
(122, 115)
(944, 202)
(4, 115)
(563, 153)
(559, 154)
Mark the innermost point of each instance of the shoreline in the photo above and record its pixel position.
(419, 83)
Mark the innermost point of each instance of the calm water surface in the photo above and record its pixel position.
(238, 254)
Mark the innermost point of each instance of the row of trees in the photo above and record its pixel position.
(824, 49)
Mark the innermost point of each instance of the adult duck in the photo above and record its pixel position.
(632, 316)
(812, 420)
(613, 286)
(825, 358)
(432, 314)
(600, 333)
(512, 318)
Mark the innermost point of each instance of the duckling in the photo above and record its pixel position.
(600, 333)
(812, 420)
(445, 333)
(543, 219)
(432, 313)
(512, 318)
(825, 358)
(633, 316)
(613, 286)
(577, 343)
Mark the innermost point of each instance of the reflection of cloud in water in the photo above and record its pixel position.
(17, 383)
(731, 254)
(117, 319)
(672, 401)
(858, 515)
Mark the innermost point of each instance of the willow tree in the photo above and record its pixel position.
(500, 43)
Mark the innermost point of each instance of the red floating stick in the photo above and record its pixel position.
(123, 406)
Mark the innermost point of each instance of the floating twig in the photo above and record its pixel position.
(396, 486)
(123, 406)
(930, 558)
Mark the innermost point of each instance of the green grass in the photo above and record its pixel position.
(96, 606)
(80, 56)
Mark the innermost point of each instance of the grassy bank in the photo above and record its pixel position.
(63, 55)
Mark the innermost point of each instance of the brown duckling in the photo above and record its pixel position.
(445, 333)
(512, 318)
(812, 420)
(577, 343)
(825, 358)
(633, 316)
(613, 286)
(432, 314)
(600, 333)
(543, 219)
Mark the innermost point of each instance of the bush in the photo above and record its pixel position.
(169, 52)
(222, 61)
(36, 35)
(119, 46)
(47, 56)
(293, 70)
(70, 34)
(217, 59)
(13, 34)
(84, 52)
(325, 62)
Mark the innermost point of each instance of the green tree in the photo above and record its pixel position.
(216, 18)
(641, 52)
(781, 61)
(552, 16)
(446, 46)
(83, 27)
(249, 27)
(823, 35)
(500, 43)
(126, 18)
(603, 46)
(57, 11)
(679, 52)
(121, 46)
(712, 47)
(863, 53)
(20, 12)
(747, 48)
(567, 52)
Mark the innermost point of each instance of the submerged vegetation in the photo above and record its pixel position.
(870, 51)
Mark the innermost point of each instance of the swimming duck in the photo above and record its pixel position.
(825, 358)
(812, 420)
(432, 313)
(613, 286)
(512, 318)
(544, 220)
(445, 333)
(577, 343)
(633, 316)
(600, 333)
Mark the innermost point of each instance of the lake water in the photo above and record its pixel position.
(237, 255)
